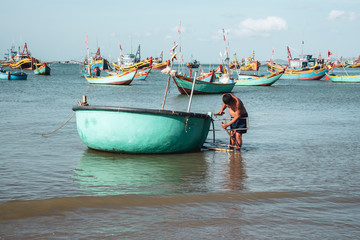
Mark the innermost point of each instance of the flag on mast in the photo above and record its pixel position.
(173, 48)
(179, 31)
(87, 42)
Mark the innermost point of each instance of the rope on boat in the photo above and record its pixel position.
(81, 103)
(184, 89)
(43, 134)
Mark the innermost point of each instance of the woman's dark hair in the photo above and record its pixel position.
(227, 98)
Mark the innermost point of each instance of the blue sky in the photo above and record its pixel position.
(57, 30)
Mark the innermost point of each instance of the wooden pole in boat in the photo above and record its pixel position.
(192, 92)
(168, 82)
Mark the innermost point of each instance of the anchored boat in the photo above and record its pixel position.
(251, 80)
(185, 84)
(344, 79)
(304, 75)
(12, 75)
(44, 69)
(124, 78)
(136, 130)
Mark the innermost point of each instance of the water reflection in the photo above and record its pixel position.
(236, 171)
(100, 173)
(226, 171)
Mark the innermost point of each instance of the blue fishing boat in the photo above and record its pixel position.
(305, 67)
(99, 62)
(136, 130)
(184, 85)
(254, 80)
(344, 79)
(44, 69)
(6, 75)
(304, 75)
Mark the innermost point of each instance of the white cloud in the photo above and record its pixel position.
(261, 27)
(342, 15)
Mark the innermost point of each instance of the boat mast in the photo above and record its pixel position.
(25, 49)
(302, 47)
(137, 55)
(88, 51)
(180, 53)
(227, 59)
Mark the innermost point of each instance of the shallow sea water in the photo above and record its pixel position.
(296, 176)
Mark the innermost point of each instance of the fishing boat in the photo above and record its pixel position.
(250, 63)
(193, 64)
(6, 75)
(254, 80)
(98, 61)
(344, 79)
(44, 69)
(303, 68)
(161, 66)
(184, 85)
(303, 75)
(159, 59)
(234, 64)
(123, 78)
(132, 61)
(86, 70)
(354, 63)
(338, 63)
(22, 60)
(137, 130)
(142, 73)
(102, 64)
(304, 62)
(139, 65)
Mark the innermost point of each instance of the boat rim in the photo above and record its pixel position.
(140, 110)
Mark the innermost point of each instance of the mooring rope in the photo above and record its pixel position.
(60, 126)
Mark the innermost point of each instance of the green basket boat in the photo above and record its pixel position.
(137, 130)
